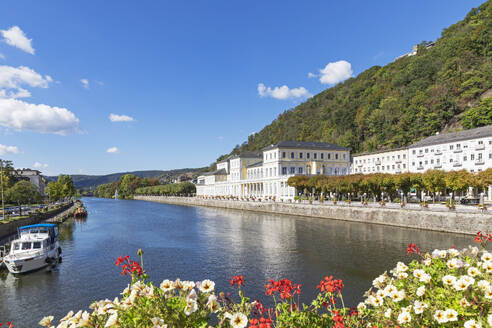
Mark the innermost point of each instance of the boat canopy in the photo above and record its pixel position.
(41, 225)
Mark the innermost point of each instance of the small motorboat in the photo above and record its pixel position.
(80, 212)
(36, 247)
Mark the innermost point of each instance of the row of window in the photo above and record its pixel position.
(383, 158)
(465, 158)
(272, 172)
(377, 168)
(451, 147)
(314, 155)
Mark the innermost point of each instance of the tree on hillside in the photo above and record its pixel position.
(480, 115)
(23, 192)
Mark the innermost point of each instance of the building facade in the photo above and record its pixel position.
(33, 176)
(390, 161)
(470, 150)
(265, 174)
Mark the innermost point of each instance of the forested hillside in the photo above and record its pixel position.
(441, 88)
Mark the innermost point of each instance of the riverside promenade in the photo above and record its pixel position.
(463, 220)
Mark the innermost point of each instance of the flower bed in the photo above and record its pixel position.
(446, 288)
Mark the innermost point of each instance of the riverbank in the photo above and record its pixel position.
(426, 219)
(56, 215)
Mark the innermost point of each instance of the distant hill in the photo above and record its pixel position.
(92, 181)
(443, 87)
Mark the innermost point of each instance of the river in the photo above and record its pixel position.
(195, 243)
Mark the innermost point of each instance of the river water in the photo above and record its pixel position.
(195, 243)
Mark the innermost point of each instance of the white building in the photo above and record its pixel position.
(470, 150)
(34, 176)
(386, 161)
(266, 174)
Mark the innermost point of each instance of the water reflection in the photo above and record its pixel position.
(197, 243)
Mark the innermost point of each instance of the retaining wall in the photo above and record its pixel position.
(10, 228)
(454, 222)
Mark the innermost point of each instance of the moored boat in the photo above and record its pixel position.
(80, 212)
(36, 247)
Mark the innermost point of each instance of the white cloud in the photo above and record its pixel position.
(335, 72)
(12, 79)
(312, 75)
(8, 150)
(113, 150)
(2, 56)
(20, 115)
(220, 138)
(120, 118)
(282, 92)
(15, 37)
(85, 83)
(38, 165)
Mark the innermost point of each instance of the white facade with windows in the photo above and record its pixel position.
(470, 150)
(266, 175)
(391, 161)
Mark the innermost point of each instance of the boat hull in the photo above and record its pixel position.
(18, 266)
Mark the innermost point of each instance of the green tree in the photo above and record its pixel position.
(23, 192)
(54, 190)
(457, 181)
(434, 182)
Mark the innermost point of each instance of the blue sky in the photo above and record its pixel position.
(196, 77)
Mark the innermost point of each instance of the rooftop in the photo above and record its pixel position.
(246, 154)
(306, 145)
(255, 164)
(378, 152)
(485, 131)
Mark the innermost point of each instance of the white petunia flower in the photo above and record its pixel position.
(166, 285)
(239, 320)
(361, 306)
(207, 286)
(375, 301)
(191, 306)
(440, 316)
(379, 281)
(486, 257)
(472, 271)
(453, 252)
(472, 324)
(46, 321)
(451, 315)
(483, 285)
(489, 319)
(448, 280)
(158, 323)
(464, 302)
(389, 289)
(426, 278)
(188, 285)
(397, 296)
(488, 293)
(401, 267)
(419, 307)
(381, 293)
(213, 304)
(427, 262)
(112, 320)
(387, 314)
(421, 291)
(453, 263)
(487, 266)
(404, 317)
(418, 273)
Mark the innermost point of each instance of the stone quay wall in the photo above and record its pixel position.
(453, 222)
(10, 228)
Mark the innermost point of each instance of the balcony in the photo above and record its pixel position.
(479, 161)
(420, 155)
(457, 151)
(456, 164)
(420, 167)
(438, 152)
(398, 161)
(437, 166)
(378, 162)
(480, 147)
